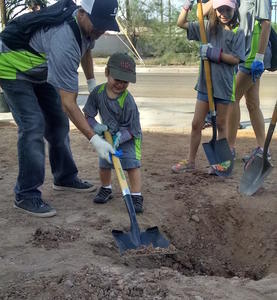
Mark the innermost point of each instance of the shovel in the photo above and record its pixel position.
(218, 152)
(133, 239)
(259, 168)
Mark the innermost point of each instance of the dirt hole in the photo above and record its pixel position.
(214, 237)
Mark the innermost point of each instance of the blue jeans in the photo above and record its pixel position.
(37, 111)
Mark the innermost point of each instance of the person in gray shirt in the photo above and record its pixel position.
(41, 88)
(255, 16)
(119, 114)
(225, 49)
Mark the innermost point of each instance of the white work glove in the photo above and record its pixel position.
(102, 147)
(91, 84)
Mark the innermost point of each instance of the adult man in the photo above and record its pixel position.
(40, 88)
(255, 18)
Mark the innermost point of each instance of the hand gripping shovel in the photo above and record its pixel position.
(134, 239)
(259, 168)
(218, 152)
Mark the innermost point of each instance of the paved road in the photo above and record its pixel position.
(166, 100)
(166, 97)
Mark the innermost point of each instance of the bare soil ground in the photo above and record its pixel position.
(226, 242)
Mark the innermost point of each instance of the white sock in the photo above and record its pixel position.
(107, 186)
(136, 194)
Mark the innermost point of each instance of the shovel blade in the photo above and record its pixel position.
(254, 175)
(218, 152)
(151, 236)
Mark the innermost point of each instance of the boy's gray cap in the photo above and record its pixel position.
(122, 67)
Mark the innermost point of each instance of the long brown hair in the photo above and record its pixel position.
(214, 21)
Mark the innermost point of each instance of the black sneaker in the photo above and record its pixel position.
(138, 203)
(77, 185)
(35, 207)
(103, 195)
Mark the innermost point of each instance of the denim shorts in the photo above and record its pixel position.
(130, 157)
(204, 97)
(244, 70)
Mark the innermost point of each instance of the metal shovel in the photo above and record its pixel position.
(217, 152)
(134, 238)
(259, 168)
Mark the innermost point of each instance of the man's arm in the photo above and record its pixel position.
(74, 113)
(87, 65)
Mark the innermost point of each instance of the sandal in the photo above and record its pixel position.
(219, 167)
(183, 166)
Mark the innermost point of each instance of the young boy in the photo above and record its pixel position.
(119, 114)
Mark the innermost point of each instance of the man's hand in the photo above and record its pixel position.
(188, 4)
(100, 128)
(257, 67)
(91, 84)
(102, 147)
(207, 51)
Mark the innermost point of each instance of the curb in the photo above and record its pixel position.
(162, 70)
(157, 70)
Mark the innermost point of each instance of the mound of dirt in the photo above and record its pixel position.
(51, 238)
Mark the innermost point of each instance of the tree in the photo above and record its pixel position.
(12, 8)
(151, 26)
(3, 13)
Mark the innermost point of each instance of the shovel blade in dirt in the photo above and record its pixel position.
(150, 237)
(133, 239)
(254, 175)
(217, 152)
(258, 168)
(219, 156)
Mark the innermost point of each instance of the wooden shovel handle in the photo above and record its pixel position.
(118, 168)
(270, 132)
(207, 67)
(274, 116)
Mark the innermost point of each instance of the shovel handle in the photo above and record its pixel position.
(135, 231)
(274, 116)
(118, 168)
(207, 67)
(270, 131)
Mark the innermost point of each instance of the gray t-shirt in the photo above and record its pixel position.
(222, 74)
(63, 57)
(250, 11)
(111, 112)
